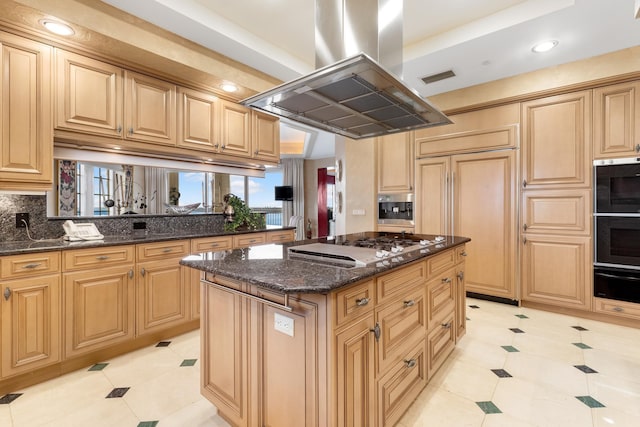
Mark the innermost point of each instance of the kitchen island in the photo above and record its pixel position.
(291, 341)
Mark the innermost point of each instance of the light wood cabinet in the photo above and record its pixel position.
(26, 140)
(265, 137)
(556, 146)
(557, 270)
(250, 239)
(30, 331)
(280, 236)
(235, 129)
(460, 294)
(395, 159)
(616, 120)
(198, 123)
(617, 308)
(474, 195)
(566, 212)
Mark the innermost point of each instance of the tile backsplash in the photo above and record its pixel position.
(42, 227)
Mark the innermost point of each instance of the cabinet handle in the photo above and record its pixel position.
(376, 331)
(618, 309)
(524, 183)
(461, 275)
(409, 303)
(524, 240)
(32, 265)
(131, 131)
(216, 146)
(361, 302)
(447, 325)
(223, 146)
(446, 280)
(102, 258)
(214, 245)
(119, 129)
(131, 274)
(167, 250)
(464, 253)
(256, 152)
(411, 363)
(7, 293)
(525, 226)
(637, 148)
(143, 271)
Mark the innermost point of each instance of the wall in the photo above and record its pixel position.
(311, 189)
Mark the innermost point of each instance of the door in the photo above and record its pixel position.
(235, 130)
(432, 196)
(395, 163)
(197, 120)
(265, 137)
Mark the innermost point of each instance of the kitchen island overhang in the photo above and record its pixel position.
(290, 342)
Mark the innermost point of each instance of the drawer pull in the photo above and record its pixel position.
(32, 265)
(143, 271)
(409, 303)
(411, 363)
(524, 183)
(447, 325)
(215, 245)
(7, 293)
(446, 280)
(525, 226)
(102, 258)
(463, 253)
(167, 250)
(376, 331)
(618, 309)
(361, 302)
(461, 275)
(131, 274)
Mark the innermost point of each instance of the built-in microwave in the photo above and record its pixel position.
(395, 209)
(617, 186)
(617, 241)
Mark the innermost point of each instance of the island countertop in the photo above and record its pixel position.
(269, 266)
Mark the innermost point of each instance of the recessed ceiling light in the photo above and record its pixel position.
(57, 27)
(229, 87)
(544, 46)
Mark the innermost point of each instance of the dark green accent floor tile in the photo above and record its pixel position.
(474, 306)
(585, 369)
(118, 392)
(581, 345)
(590, 401)
(516, 330)
(510, 348)
(501, 373)
(147, 423)
(522, 316)
(188, 362)
(579, 328)
(163, 344)
(98, 367)
(8, 398)
(489, 407)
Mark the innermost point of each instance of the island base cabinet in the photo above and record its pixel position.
(440, 342)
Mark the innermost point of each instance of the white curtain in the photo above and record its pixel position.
(156, 189)
(293, 175)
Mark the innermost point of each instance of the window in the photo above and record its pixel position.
(262, 196)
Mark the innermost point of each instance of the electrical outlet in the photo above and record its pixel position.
(283, 324)
(20, 217)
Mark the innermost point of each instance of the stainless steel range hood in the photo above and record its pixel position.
(354, 96)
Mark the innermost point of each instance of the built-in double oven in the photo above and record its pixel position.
(617, 229)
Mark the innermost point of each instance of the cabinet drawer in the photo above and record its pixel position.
(280, 236)
(97, 257)
(244, 240)
(617, 308)
(352, 302)
(388, 285)
(557, 211)
(461, 254)
(207, 244)
(399, 387)
(15, 266)
(402, 324)
(441, 261)
(440, 342)
(441, 297)
(174, 248)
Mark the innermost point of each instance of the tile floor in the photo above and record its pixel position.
(515, 367)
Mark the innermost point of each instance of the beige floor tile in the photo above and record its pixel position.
(472, 381)
(611, 364)
(139, 366)
(489, 355)
(443, 409)
(505, 420)
(199, 414)
(5, 416)
(550, 348)
(610, 417)
(102, 413)
(620, 393)
(622, 345)
(186, 346)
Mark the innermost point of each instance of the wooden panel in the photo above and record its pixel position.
(441, 297)
(235, 137)
(389, 285)
(557, 270)
(97, 257)
(617, 308)
(198, 120)
(440, 343)
(245, 240)
(207, 244)
(172, 248)
(280, 236)
(353, 302)
(461, 306)
(99, 309)
(26, 265)
(616, 120)
(557, 212)
(395, 161)
(468, 142)
(432, 196)
(440, 262)
(394, 228)
(265, 137)
(30, 324)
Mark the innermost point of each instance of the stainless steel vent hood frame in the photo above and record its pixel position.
(355, 97)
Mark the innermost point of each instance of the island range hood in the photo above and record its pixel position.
(354, 96)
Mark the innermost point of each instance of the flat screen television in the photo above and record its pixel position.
(284, 192)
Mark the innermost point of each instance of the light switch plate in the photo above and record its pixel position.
(357, 212)
(283, 324)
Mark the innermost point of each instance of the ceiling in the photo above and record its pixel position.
(480, 41)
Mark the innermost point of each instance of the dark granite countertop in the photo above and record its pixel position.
(21, 247)
(268, 266)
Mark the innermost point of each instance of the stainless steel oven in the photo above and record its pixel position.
(618, 241)
(617, 186)
(395, 209)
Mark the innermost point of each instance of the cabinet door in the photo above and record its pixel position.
(162, 295)
(440, 342)
(557, 212)
(432, 196)
(557, 270)
(461, 306)
(556, 145)
(265, 137)
(99, 308)
(30, 324)
(484, 203)
(355, 374)
(26, 140)
(235, 130)
(150, 109)
(616, 120)
(197, 120)
(395, 163)
(88, 95)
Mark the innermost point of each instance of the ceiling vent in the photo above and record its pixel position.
(437, 77)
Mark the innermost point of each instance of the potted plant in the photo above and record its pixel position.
(240, 216)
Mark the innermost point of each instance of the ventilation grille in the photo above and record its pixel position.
(437, 77)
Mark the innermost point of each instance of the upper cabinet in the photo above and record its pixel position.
(197, 119)
(616, 121)
(26, 139)
(395, 161)
(235, 129)
(265, 135)
(556, 146)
